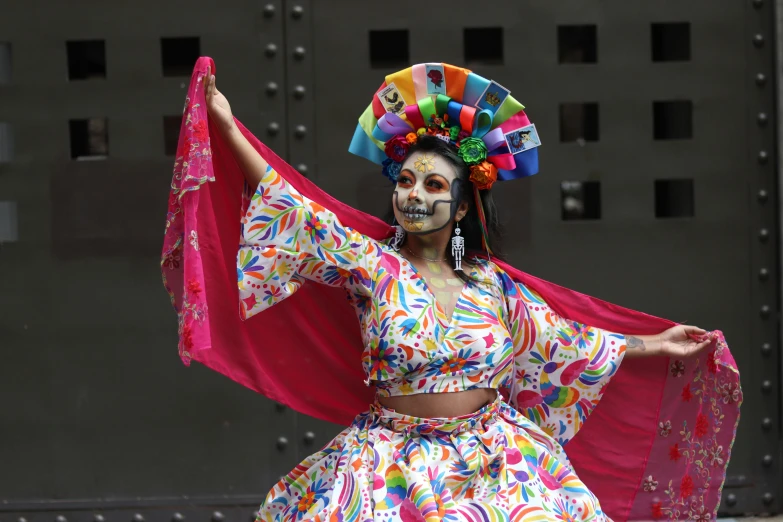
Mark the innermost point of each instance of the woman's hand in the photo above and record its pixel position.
(217, 105)
(683, 341)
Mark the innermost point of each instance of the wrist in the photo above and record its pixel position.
(643, 346)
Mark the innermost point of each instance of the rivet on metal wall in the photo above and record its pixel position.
(282, 443)
(758, 4)
(763, 235)
(273, 128)
(766, 423)
(98, 518)
(60, 518)
(763, 196)
(762, 119)
(299, 52)
(767, 460)
(302, 168)
(758, 40)
(767, 498)
(217, 516)
(138, 518)
(21, 519)
(766, 349)
(309, 437)
(177, 517)
(271, 88)
(761, 79)
(299, 92)
(763, 157)
(764, 311)
(297, 11)
(766, 385)
(763, 274)
(300, 131)
(269, 10)
(271, 50)
(731, 499)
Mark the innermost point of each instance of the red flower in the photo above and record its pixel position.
(194, 287)
(201, 131)
(702, 425)
(686, 486)
(657, 512)
(674, 453)
(187, 336)
(397, 148)
(686, 393)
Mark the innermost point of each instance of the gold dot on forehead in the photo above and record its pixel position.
(425, 163)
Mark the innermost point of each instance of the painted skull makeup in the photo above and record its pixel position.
(426, 198)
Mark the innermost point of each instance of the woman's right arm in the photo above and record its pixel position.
(250, 161)
(286, 237)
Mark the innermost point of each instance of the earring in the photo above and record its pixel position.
(399, 237)
(457, 248)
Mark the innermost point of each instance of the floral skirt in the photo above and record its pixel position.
(490, 465)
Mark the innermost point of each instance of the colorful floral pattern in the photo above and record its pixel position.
(501, 335)
(492, 465)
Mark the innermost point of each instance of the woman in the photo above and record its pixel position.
(443, 336)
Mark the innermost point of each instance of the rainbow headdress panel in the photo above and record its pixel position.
(479, 116)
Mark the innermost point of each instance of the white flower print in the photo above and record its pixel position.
(665, 428)
(716, 456)
(650, 484)
(194, 239)
(730, 393)
(678, 368)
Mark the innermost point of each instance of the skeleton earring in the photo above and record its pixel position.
(399, 237)
(457, 248)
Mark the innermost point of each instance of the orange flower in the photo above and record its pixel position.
(483, 175)
(412, 137)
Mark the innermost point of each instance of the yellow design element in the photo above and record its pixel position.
(425, 163)
(437, 282)
(413, 225)
(492, 99)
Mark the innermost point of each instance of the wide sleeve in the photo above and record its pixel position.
(287, 238)
(561, 367)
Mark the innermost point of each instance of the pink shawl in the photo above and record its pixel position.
(656, 447)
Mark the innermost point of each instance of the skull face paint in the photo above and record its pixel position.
(427, 195)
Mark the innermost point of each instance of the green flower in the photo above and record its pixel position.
(472, 150)
(454, 132)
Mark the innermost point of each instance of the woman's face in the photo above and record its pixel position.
(426, 198)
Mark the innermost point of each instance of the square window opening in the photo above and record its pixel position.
(577, 43)
(86, 59)
(389, 48)
(89, 139)
(179, 55)
(483, 45)
(578, 122)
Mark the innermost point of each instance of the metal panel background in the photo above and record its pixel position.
(98, 412)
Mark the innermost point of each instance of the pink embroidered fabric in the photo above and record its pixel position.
(657, 446)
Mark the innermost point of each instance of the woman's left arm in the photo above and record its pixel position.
(678, 341)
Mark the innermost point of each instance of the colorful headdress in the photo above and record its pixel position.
(489, 127)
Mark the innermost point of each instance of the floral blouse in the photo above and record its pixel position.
(501, 335)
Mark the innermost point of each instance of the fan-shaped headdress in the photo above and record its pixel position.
(488, 126)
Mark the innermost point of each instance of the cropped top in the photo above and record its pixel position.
(501, 334)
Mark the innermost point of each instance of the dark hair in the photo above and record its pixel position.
(469, 225)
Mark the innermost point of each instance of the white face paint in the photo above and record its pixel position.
(427, 192)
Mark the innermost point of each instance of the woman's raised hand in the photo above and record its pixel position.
(217, 105)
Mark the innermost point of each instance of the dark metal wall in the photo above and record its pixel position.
(99, 416)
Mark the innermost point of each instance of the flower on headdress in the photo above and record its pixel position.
(396, 148)
(483, 175)
(454, 132)
(411, 137)
(391, 169)
(472, 150)
(422, 130)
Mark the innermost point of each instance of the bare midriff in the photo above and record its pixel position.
(434, 405)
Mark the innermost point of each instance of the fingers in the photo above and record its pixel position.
(694, 330)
